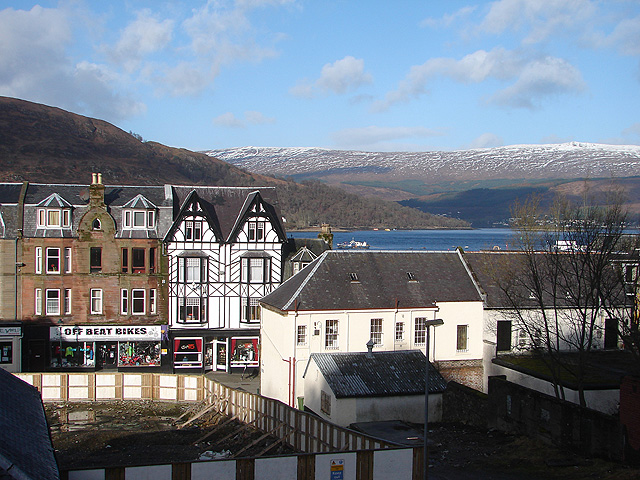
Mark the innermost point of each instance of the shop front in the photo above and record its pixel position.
(106, 346)
(215, 353)
(10, 340)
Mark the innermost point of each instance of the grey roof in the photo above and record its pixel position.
(497, 272)
(226, 204)
(304, 255)
(348, 280)
(377, 374)
(25, 445)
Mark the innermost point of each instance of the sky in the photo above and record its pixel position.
(373, 75)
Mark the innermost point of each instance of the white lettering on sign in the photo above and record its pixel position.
(80, 333)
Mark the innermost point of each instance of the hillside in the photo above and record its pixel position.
(45, 144)
(478, 185)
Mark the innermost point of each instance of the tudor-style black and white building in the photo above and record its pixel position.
(225, 251)
(183, 265)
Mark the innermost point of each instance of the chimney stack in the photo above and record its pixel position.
(96, 191)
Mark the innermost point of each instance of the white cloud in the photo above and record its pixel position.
(251, 117)
(338, 77)
(228, 120)
(632, 130)
(449, 18)
(533, 78)
(625, 37)
(145, 35)
(487, 140)
(539, 79)
(373, 135)
(538, 19)
(36, 67)
(257, 118)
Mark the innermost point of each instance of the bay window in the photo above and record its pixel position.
(256, 270)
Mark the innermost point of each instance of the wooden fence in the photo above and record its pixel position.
(303, 431)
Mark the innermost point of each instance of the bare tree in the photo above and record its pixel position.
(566, 283)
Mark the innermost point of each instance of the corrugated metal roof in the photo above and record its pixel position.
(377, 374)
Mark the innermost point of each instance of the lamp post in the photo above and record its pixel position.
(428, 323)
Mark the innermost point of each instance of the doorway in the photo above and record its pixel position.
(108, 355)
(37, 355)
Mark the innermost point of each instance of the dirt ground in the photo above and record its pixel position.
(88, 435)
(127, 433)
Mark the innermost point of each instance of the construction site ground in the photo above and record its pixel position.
(87, 435)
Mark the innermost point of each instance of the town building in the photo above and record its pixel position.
(125, 277)
(347, 388)
(343, 299)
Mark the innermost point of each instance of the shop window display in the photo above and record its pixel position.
(6, 352)
(73, 354)
(138, 354)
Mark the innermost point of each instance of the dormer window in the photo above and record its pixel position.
(139, 213)
(54, 212)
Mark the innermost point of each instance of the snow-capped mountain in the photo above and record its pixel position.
(567, 160)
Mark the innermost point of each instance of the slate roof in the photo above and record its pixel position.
(495, 271)
(378, 374)
(347, 280)
(25, 446)
(227, 202)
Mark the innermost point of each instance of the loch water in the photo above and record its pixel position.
(433, 240)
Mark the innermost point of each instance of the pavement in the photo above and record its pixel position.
(247, 382)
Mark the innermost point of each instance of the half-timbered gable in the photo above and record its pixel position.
(225, 253)
(193, 247)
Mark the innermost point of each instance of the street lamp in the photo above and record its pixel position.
(428, 323)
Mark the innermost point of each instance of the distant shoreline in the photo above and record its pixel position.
(358, 229)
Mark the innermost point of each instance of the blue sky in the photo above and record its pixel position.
(371, 75)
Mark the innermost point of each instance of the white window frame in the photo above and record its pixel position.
(51, 214)
(67, 301)
(49, 256)
(38, 260)
(45, 215)
(124, 301)
(67, 260)
(375, 331)
(331, 334)
(53, 307)
(420, 331)
(193, 304)
(462, 348)
(138, 219)
(251, 304)
(399, 333)
(136, 298)
(301, 335)
(255, 270)
(96, 301)
(38, 301)
(66, 218)
(153, 301)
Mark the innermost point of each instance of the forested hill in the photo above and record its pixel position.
(44, 144)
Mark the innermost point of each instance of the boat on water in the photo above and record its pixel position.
(353, 244)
